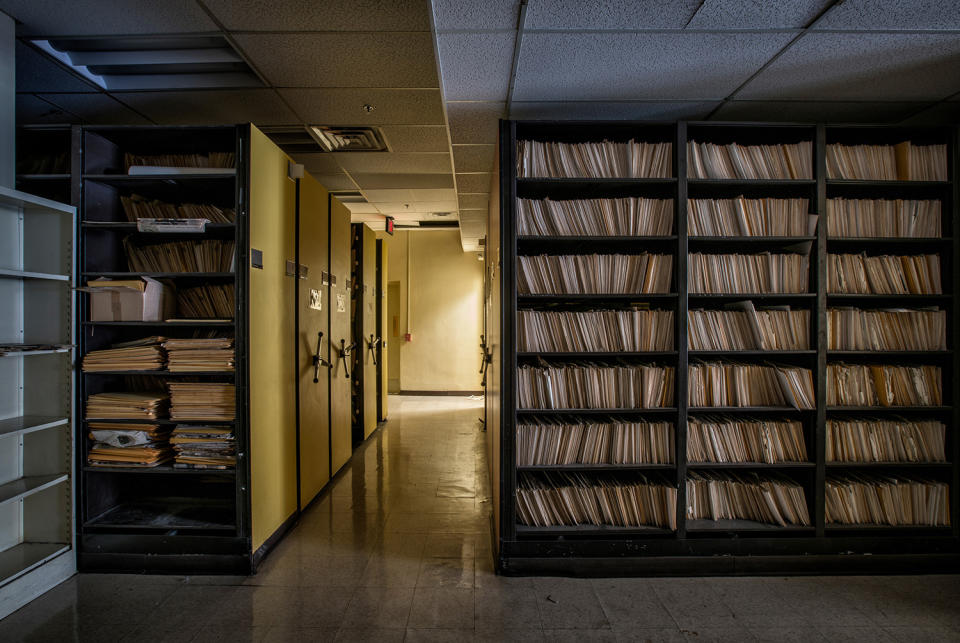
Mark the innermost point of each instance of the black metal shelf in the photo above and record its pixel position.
(162, 324)
(599, 355)
(588, 182)
(159, 422)
(890, 409)
(160, 275)
(161, 469)
(747, 409)
(595, 299)
(163, 373)
(776, 183)
(700, 299)
(706, 526)
(752, 465)
(886, 184)
(751, 353)
(44, 177)
(892, 529)
(887, 465)
(147, 178)
(896, 241)
(127, 227)
(779, 241)
(660, 411)
(590, 530)
(596, 467)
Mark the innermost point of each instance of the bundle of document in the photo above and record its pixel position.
(759, 273)
(128, 444)
(594, 274)
(138, 207)
(203, 401)
(143, 354)
(896, 440)
(884, 275)
(595, 330)
(742, 217)
(730, 384)
(883, 385)
(209, 255)
(580, 386)
(852, 218)
(861, 499)
(901, 162)
(585, 441)
(123, 406)
(204, 447)
(743, 327)
(553, 499)
(771, 499)
(627, 216)
(895, 329)
(734, 161)
(211, 354)
(601, 160)
(745, 440)
(213, 159)
(206, 302)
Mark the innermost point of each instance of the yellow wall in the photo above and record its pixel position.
(446, 299)
(273, 494)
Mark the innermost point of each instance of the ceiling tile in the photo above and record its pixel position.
(403, 181)
(384, 196)
(409, 207)
(475, 66)
(473, 158)
(626, 110)
(203, 107)
(317, 163)
(434, 195)
(884, 14)
(345, 106)
(395, 162)
(337, 182)
(626, 66)
(474, 122)
(97, 109)
(431, 138)
(732, 14)
(362, 208)
(329, 15)
(815, 112)
(476, 183)
(865, 66)
(610, 14)
(107, 17)
(343, 60)
(473, 201)
(470, 14)
(33, 110)
(941, 114)
(38, 73)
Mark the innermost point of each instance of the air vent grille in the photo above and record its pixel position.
(348, 139)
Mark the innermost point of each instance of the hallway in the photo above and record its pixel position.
(399, 549)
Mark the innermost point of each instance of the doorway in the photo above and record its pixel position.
(393, 345)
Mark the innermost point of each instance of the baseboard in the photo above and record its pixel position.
(450, 393)
(274, 538)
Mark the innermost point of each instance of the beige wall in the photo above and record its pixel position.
(446, 298)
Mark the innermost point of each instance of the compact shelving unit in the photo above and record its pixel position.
(727, 546)
(149, 518)
(36, 396)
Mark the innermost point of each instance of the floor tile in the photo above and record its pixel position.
(446, 608)
(379, 607)
(446, 572)
(567, 603)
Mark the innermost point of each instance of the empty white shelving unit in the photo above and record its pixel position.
(36, 408)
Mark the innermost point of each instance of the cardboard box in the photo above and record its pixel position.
(141, 299)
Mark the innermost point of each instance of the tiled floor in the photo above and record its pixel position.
(399, 550)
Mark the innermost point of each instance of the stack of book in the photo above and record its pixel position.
(124, 406)
(743, 327)
(771, 499)
(213, 354)
(583, 441)
(553, 499)
(745, 440)
(204, 447)
(578, 386)
(594, 274)
(137, 207)
(855, 218)
(733, 161)
(627, 216)
(209, 255)
(759, 273)
(212, 160)
(212, 301)
(202, 401)
(883, 275)
(901, 162)
(143, 354)
(886, 441)
(721, 384)
(861, 499)
(128, 444)
(606, 159)
(883, 385)
(595, 330)
(742, 217)
(897, 329)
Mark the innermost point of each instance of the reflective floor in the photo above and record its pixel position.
(399, 550)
